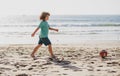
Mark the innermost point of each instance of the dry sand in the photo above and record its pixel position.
(79, 60)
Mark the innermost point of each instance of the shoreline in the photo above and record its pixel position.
(87, 43)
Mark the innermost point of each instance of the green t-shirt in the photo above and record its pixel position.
(44, 29)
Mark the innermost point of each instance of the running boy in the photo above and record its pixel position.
(43, 37)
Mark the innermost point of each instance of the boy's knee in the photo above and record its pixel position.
(49, 44)
(39, 45)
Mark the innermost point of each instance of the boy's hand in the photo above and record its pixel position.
(33, 34)
(56, 30)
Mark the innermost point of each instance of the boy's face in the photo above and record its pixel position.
(47, 17)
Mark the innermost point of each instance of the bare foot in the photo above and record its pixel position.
(34, 58)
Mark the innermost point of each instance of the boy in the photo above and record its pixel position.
(43, 37)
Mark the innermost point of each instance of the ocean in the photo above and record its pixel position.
(73, 29)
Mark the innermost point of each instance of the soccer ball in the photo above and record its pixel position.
(103, 54)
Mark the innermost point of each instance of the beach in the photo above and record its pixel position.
(84, 34)
(79, 59)
(79, 41)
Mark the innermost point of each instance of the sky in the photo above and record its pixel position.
(60, 7)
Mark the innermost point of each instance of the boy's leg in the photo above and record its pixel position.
(35, 49)
(50, 50)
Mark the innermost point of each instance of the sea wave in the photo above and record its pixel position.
(60, 25)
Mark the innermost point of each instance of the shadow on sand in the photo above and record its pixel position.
(67, 65)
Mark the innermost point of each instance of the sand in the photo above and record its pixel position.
(79, 60)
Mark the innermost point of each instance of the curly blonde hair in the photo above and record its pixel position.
(43, 15)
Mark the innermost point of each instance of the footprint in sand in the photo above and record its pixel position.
(100, 66)
(22, 75)
(76, 70)
(55, 71)
(30, 68)
(92, 62)
(65, 74)
(14, 70)
(66, 69)
(3, 68)
(33, 65)
(112, 71)
(90, 70)
(23, 65)
(44, 68)
(98, 70)
(18, 65)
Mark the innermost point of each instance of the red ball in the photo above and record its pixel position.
(103, 54)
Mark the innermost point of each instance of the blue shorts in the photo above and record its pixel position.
(44, 41)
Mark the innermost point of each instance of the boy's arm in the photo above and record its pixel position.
(33, 34)
(53, 29)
